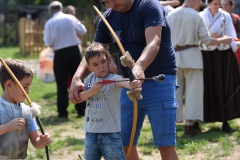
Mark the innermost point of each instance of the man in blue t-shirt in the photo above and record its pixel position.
(144, 32)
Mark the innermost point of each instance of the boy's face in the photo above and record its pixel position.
(99, 65)
(15, 93)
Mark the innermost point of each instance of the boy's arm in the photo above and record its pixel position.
(3, 129)
(15, 124)
(84, 95)
(124, 84)
(127, 84)
(39, 141)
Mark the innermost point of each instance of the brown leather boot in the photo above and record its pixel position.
(190, 130)
(197, 127)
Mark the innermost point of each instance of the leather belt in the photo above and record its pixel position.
(180, 48)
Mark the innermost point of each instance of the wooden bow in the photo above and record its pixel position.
(135, 109)
(28, 99)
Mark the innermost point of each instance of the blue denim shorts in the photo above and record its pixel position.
(159, 104)
(107, 145)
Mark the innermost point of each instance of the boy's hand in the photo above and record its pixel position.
(16, 124)
(45, 139)
(97, 86)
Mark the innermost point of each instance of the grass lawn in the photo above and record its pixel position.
(68, 135)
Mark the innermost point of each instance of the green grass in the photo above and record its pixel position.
(13, 52)
(10, 52)
(68, 135)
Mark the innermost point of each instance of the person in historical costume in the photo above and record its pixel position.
(17, 125)
(186, 40)
(221, 74)
(228, 5)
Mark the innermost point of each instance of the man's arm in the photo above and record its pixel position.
(173, 3)
(153, 40)
(46, 36)
(77, 84)
(81, 29)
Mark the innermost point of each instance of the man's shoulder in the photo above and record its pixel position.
(60, 17)
(183, 10)
(69, 16)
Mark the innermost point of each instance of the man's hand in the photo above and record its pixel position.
(138, 72)
(135, 84)
(75, 88)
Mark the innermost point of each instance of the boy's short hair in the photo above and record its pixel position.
(19, 69)
(94, 50)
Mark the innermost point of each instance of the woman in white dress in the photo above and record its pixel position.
(221, 74)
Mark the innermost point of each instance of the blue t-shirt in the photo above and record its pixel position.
(130, 28)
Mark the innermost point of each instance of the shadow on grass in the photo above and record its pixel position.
(74, 143)
(54, 120)
(48, 96)
(213, 134)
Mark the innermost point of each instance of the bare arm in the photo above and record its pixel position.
(173, 3)
(15, 124)
(39, 141)
(112, 65)
(224, 39)
(3, 129)
(77, 84)
(89, 93)
(153, 39)
(80, 28)
(127, 84)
